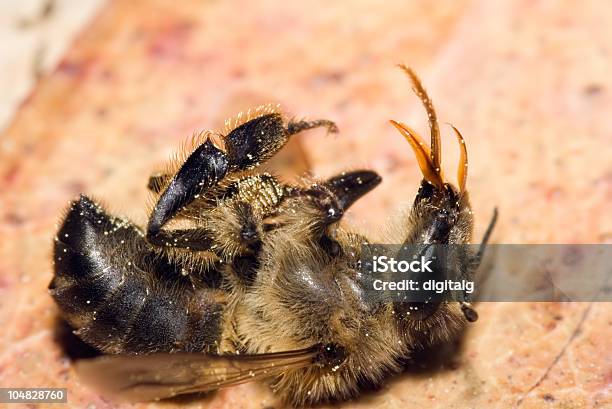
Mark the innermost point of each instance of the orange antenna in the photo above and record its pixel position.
(429, 158)
(436, 157)
(421, 152)
(462, 170)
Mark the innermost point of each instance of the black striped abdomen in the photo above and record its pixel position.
(117, 293)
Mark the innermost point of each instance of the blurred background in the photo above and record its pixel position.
(97, 94)
(34, 35)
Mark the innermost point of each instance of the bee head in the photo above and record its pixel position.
(441, 212)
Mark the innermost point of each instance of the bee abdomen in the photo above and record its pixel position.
(137, 319)
(165, 324)
(108, 288)
(112, 320)
(84, 276)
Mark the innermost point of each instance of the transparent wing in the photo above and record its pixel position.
(164, 375)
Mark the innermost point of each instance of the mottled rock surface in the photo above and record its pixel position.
(528, 84)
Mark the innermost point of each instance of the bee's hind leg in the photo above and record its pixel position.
(257, 140)
(195, 239)
(157, 182)
(294, 127)
(202, 170)
(246, 147)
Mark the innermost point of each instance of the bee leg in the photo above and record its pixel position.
(201, 171)
(338, 193)
(348, 187)
(246, 147)
(335, 196)
(257, 140)
(485, 239)
(193, 239)
(469, 312)
(234, 234)
(294, 127)
(238, 232)
(157, 182)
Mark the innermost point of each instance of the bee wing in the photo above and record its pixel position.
(164, 375)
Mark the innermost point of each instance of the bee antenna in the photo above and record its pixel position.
(463, 161)
(422, 154)
(417, 87)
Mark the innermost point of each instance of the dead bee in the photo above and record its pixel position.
(242, 277)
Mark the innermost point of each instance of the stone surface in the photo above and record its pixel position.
(526, 82)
